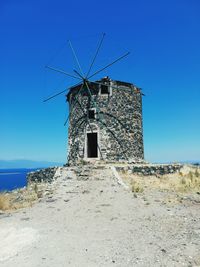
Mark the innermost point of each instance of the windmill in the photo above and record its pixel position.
(83, 96)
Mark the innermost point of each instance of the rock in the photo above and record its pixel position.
(150, 169)
(25, 219)
(43, 175)
(50, 200)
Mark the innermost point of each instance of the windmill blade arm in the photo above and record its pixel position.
(75, 56)
(66, 121)
(72, 107)
(47, 99)
(59, 93)
(89, 125)
(79, 74)
(82, 122)
(88, 89)
(118, 141)
(63, 72)
(112, 116)
(78, 120)
(95, 56)
(109, 65)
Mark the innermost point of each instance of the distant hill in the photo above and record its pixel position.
(14, 164)
(194, 162)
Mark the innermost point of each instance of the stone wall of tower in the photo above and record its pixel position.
(118, 123)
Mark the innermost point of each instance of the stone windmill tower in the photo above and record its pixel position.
(106, 125)
(105, 117)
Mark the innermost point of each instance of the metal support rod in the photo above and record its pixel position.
(113, 136)
(109, 65)
(77, 128)
(94, 102)
(45, 100)
(63, 72)
(112, 116)
(88, 89)
(79, 75)
(72, 107)
(78, 120)
(95, 56)
(75, 56)
(89, 125)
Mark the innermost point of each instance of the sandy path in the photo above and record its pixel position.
(98, 223)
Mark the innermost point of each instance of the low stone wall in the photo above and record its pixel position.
(44, 175)
(151, 169)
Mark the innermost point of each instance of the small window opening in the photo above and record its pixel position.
(104, 89)
(91, 114)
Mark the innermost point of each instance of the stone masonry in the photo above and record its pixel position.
(43, 175)
(116, 118)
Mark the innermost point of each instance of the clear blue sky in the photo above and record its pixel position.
(163, 38)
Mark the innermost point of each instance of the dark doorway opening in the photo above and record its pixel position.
(92, 151)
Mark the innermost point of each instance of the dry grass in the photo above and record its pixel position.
(136, 187)
(10, 202)
(4, 201)
(21, 198)
(182, 182)
(189, 182)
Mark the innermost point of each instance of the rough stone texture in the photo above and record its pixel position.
(151, 169)
(118, 122)
(43, 175)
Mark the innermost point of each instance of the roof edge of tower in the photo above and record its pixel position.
(104, 80)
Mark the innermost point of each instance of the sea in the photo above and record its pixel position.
(11, 179)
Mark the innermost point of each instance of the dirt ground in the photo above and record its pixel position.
(98, 222)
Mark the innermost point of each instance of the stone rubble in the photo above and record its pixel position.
(84, 171)
(43, 175)
(151, 169)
